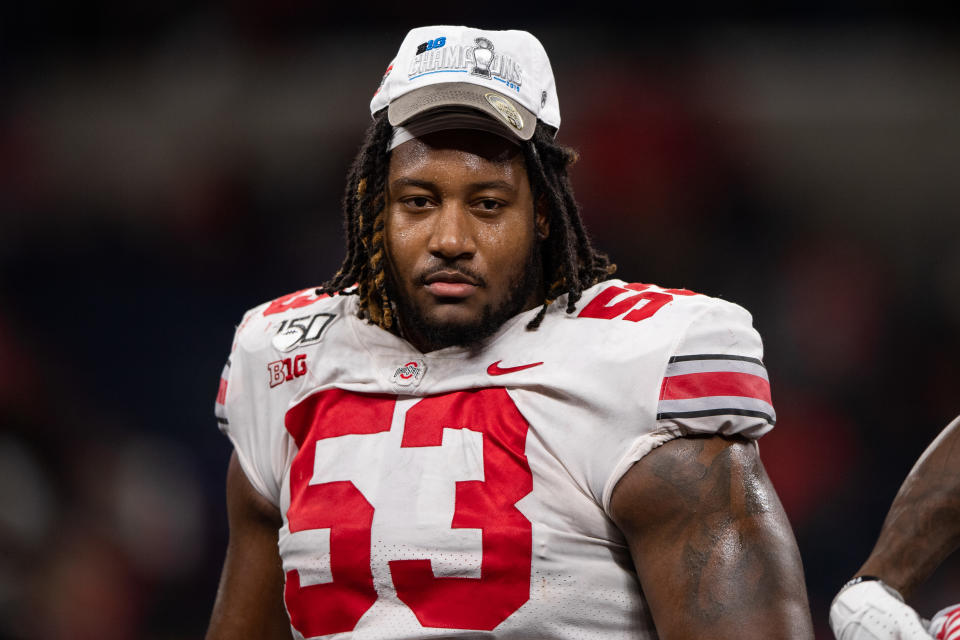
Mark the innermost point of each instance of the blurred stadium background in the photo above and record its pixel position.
(164, 167)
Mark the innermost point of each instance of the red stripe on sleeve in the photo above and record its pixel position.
(717, 383)
(222, 392)
(951, 628)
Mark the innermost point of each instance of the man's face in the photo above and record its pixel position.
(461, 237)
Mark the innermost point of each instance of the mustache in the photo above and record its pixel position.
(457, 268)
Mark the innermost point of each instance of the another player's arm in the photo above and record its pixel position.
(923, 525)
(249, 601)
(711, 543)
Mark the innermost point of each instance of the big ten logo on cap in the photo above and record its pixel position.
(409, 374)
(436, 43)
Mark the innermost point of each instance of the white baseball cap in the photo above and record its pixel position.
(503, 74)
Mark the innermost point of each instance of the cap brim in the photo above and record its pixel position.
(514, 117)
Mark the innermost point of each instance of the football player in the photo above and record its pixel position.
(472, 430)
(920, 531)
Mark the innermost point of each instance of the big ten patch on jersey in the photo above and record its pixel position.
(286, 369)
(407, 505)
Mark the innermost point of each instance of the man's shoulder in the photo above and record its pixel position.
(300, 300)
(634, 303)
(625, 320)
(292, 320)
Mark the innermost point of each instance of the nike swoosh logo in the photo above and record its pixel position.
(496, 370)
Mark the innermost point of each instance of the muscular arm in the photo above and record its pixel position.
(249, 600)
(923, 525)
(711, 543)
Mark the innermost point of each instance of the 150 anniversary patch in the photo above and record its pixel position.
(300, 332)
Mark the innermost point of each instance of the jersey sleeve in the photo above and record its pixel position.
(244, 417)
(714, 382)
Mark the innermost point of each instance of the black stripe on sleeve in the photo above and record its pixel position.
(716, 412)
(716, 356)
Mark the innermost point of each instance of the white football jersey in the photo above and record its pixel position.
(466, 493)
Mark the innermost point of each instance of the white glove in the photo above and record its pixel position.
(870, 610)
(946, 623)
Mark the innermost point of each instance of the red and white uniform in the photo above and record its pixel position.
(467, 493)
(945, 624)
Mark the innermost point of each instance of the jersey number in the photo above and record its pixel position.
(489, 505)
(640, 305)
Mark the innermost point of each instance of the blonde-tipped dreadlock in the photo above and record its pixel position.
(570, 263)
(363, 204)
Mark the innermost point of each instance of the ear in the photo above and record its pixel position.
(541, 218)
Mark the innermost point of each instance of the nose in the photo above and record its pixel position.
(452, 233)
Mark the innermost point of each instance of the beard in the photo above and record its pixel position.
(441, 335)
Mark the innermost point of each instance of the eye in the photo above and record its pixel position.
(417, 202)
(489, 204)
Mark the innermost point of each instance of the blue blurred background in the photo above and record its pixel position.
(165, 166)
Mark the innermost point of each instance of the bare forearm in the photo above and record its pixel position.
(923, 525)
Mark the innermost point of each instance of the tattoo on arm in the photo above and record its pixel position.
(715, 546)
(711, 528)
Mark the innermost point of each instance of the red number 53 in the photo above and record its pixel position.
(489, 505)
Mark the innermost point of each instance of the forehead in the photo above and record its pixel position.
(458, 151)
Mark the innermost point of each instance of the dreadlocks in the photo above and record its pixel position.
(570, 262)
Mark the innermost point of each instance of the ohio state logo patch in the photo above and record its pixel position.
(409, 374)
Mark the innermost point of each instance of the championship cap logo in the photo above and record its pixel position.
(457, 77)
(482, 57)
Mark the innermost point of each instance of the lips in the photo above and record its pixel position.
(450, 284)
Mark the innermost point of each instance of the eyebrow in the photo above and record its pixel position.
(429, 186)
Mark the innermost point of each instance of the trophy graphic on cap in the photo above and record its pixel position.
(483, 57)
